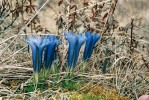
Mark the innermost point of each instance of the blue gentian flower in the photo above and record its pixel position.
(37, 46)
(92, 38)
(75, 43)
(50, 52)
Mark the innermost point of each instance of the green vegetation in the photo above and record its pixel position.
(77, 96)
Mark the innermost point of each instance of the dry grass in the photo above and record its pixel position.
(123, 50)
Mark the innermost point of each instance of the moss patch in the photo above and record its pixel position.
(109, 94)
(77, 96)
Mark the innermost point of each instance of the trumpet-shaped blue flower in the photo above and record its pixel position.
(92, 38)
(37, 46)
(75, 43)
(50, 52)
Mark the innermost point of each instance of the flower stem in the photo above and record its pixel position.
(35, 79)
(84, 66)
(45, 73)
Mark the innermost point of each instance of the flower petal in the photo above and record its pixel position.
(72, 40)
(50, 53)
(88, 44)
(95, 38)
(81, 39)
(37, 41)
(33, 48)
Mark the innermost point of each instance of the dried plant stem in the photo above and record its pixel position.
(4, 50)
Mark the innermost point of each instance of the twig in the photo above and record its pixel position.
(14, 67)
(131, 32)
(85, 8)
(112, 9)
